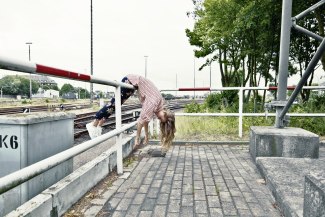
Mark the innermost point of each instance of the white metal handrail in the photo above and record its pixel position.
(16, 178)
(27, 173)
(240, 113)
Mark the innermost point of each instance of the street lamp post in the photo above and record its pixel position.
(30, 75)
(145, 66)
(176, 85)
(194, 77)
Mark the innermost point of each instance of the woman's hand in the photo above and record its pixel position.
(146, 140)
(136, 142)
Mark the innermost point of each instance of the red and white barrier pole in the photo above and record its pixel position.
(30, 67)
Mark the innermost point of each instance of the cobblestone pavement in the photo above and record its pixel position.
(194, 180)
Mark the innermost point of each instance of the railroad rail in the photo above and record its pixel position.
(24, 109)
(128, 115)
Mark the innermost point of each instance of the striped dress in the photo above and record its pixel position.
(151, 100)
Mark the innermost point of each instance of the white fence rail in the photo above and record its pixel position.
(14, 179)
(240, 113)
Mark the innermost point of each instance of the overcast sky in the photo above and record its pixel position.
(124, 32)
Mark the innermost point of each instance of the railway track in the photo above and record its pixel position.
(128, 115)
(24, 109)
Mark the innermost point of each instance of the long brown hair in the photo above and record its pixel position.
(167, 130)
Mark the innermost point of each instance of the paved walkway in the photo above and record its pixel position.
(194, 180)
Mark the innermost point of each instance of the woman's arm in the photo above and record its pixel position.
(139, 128)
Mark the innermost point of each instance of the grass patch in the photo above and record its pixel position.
(216, 128)
(206, 128)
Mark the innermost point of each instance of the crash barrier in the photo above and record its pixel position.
(14, 179)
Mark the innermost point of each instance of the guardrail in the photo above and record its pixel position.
(14, 179)
(240, 113)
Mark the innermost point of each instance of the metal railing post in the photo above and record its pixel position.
(240, 118)
(118, 118)
(151, 127)
(286, 24)
(157, 126)
(310, 68)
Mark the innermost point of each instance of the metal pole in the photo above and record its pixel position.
(91, 49)
(30, 75)
(284, 57)
(310, 68)
(194, 76)
(210, 74)
(145, 66)
(240, 122)
(307, 11)
(176, 85)
(118, 118)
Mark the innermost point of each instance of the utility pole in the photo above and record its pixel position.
(176, 85)
(145, 66)
(30, 75)
(91, 49)
(284, 58)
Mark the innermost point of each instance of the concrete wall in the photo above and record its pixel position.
(27, 139)
(58, 198)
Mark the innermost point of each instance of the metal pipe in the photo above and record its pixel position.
(248, 88)
(29, 67)
(240, 121)
(91, 50)
(307, 32)
(145, 66)
(310, 68)
(247, 114)
(118, 118)
(305, 12)
(16, 178)
(284, 56)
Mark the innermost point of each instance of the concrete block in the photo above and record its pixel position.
(41, 205)
(314, 194)
(127, 148)
(70, 189)
(287, 142)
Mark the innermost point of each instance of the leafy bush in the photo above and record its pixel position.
(212, 128)
(193, 107)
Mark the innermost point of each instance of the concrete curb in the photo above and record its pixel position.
(57, 199)
(196, 142)
(97, 203)
(284, 207)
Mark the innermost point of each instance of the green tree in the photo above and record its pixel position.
(302, 47)
(66, 88)
(17, 85)
(243, 36)
(50, 86)
(83, 93)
